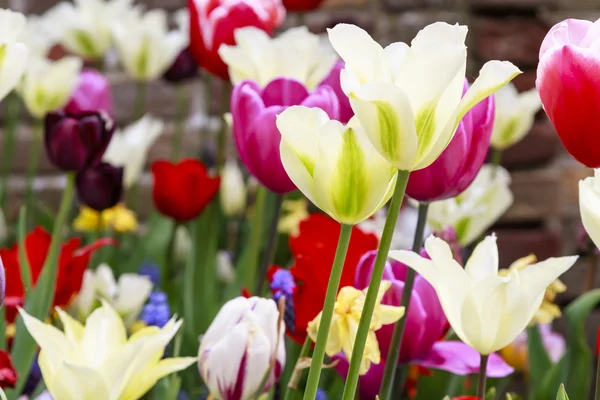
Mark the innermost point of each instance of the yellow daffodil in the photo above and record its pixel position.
(548, 310)
(293, 212)
(97, 361)
(346, 316)
(119, 218)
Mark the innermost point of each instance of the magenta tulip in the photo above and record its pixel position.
(426, 325)
(333, 80)
(568, 80)
(456, 168)
(254, 111)
(93, 94)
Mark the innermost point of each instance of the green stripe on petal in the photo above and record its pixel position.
(426, 124)
(2, 53)
(308, 162)
(389, 128)
(351, 185)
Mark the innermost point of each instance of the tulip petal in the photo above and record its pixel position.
(72, 328)
(363, 55)
(92, 384)
(119, 369)
(12, 66)
(484, 260)
(386, 115)
(537, 277)
(104, 330)
(590, 213)
(146, 379)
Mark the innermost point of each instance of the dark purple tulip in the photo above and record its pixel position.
(92, 94)
(456, 168)
(101, 186)
(77, 141)
(184, 67)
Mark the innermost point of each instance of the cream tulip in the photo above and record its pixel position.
(13, 52)
(97, 361)
(296, 54)
(589, 202)
(47, 85)
(127, 296)
(84, 27)
(334, 165)
(515, 114)
(409, 98)
(243, 343)
(129, 148)
(487, 311)
(146, 47)
(233, 189)
(477, 208)
(39, 35)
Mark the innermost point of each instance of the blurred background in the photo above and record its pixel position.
(544, 218)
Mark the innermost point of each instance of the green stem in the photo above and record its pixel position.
(222, 138)
(496, 159)
(392, 357)
(167, 266)
(13, 108)
(140, 100)
(40, 301)
(291, 393)
(33, 162)
(316, 364)
(255, 237)
(369, 306)
(271, 246)
(182, 110)
(482, 376)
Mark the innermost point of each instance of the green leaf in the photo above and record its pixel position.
(550, 382)
(539, 361)
(579, 356)
(562, 394)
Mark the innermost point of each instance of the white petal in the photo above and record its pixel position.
(484, 260)
(92, 384)
(589, 199)
(133, 291)
(104, 332)
(12, 67)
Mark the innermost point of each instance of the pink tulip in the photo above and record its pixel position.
(568, 80)
(456, 168)
(254, 111)
(333, 80)
(426, 325)
(93, 94)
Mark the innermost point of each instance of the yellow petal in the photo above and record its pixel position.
(148, 377)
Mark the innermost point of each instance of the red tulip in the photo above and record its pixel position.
(212, 23)
(466, 398)
(313, 250)
(8, 375)
(72, 263)
(181, 191)
(301, 5)
(568, 80)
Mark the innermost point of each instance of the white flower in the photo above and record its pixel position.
(589, 205)
(477, 208)
(47, 85)
(129, 147)
(408, 99)
(515, 114)
(244, 340)
(127, 296)
(233, 189)
(84, 27)
(225, 270)
(13, 53)
(182, 20)
(487, 311)
(183, 243)
(296, 53)
(97, 361)
(39, 36)
(146, 47)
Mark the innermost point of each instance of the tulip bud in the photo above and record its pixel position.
(244, 340)
(101, 186)
(233, 189)
(184, 67)
(93, 94)
(75, 142)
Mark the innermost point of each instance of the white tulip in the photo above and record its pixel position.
(127, 296)
(183, 243)
(225, 270)
(514, 116)
(335, 166)
(409, 98)
(98, 361)
(477, 208)
(13, 53)
(487, 311)
(84, 27)
(129, 148)
(182, 20)
(146, 47)
(233, 189)
(39, 35)
(244, 340)
(47, 85)
(296, 54)
(589, 205)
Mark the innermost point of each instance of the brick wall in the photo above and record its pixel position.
(545, 216)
